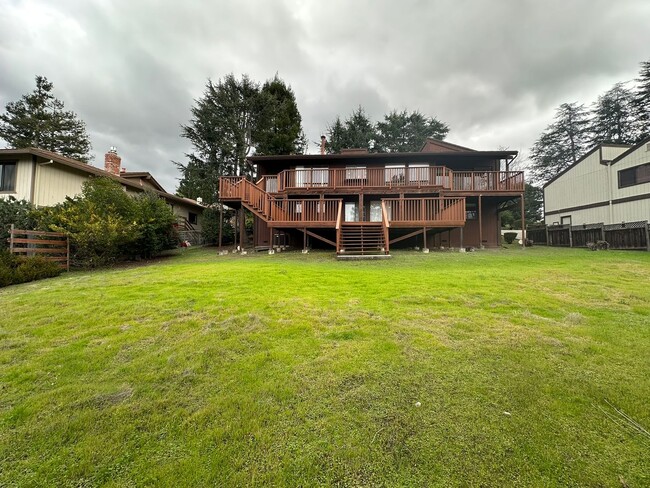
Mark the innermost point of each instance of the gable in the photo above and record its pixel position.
(436, 145)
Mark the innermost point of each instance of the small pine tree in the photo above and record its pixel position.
(641, 102)
(39, 120)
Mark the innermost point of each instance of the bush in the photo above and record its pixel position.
(16, 212)
(210, 226)
(105, 224)
(510, 237)
(20, 269)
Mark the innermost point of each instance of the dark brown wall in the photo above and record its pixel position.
(471, 230)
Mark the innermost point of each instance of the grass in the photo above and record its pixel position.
(294, 370)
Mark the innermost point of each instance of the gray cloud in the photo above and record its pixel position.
(494, 71)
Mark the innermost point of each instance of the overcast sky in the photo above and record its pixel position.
(494, 71)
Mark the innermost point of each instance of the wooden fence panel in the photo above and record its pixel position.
(559, 235)
(53, 246)
(536, 234)
(586, 233)
(627, 235)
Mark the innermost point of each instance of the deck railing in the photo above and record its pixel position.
(488, 181)
(390, 177)
(421, 211)
(323, 211)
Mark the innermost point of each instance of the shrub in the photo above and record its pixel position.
(210, 226)
(14, 269)
(105, 224)
(16, 212)
(510, 237)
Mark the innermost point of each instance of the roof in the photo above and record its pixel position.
(631, 150)
(92, 170)
(142, 175)
(438, 145)
(379, 157)
(589, 153)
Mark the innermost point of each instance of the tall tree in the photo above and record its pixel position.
(232, 120)
(356, 132)
(641, 101)
(404, 132)
(39, 120)
(613, 117)
(279, 130)
(398, 132)
(562, 143)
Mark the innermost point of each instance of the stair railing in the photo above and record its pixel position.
(385, 226)
(339, 220)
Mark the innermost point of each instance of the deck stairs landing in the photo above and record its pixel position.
(365, 238)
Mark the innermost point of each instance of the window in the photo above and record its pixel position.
(193, 218)
(418, 173)
(634, 176)
(471, 211)
(395, 175)
(8, 176)
(320, 177)
(355, 172)
(566, 220)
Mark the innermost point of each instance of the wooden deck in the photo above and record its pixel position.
(390, 179)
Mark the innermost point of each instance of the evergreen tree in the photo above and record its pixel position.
(234, 119)
(404, 132)
(562, 143)
(613, 118)
(641, 101)
(39, 120)
(398, 132)
(279, 130)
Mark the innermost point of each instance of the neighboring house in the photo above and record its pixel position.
(443, 196)
(610, 184)
(45, 178)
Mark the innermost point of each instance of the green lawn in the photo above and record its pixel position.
(303, 371)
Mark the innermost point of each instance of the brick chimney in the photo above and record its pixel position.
(323, 141)
(112, 161)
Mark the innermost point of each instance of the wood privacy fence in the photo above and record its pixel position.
(626, 235)
(53, 246)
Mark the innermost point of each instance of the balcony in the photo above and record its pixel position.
(434, 178)
(424, 212)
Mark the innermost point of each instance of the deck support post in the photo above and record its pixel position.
(480, 222)
(242, 227)
(271, 250)
(462, 248)
(425, 248)
(523, 224)
(304, 240)
(449, 238)
(361, 213)
(235, 229)
(220, 225)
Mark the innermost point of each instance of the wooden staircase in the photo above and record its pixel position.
(362, 238)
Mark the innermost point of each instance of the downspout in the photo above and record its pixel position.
(609, 184)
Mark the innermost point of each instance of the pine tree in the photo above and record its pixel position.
(613, 118)
(562, 143)
(39, 120)
(404, 132)
(279, 130)
(641, 102)
(234, 119)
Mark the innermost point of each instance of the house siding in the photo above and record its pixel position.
(54, 183)
(23, 184)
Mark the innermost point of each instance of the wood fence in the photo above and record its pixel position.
(53, 246)
(626, 235)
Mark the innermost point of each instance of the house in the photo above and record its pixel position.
(364, 203)
(44, 178)
(608, 185)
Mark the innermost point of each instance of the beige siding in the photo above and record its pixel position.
(636, 158)
(612, 152)
(23, 188)
(578, 217)
(631, 211)
(583, 184)
(54, 182)
(184, 211)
